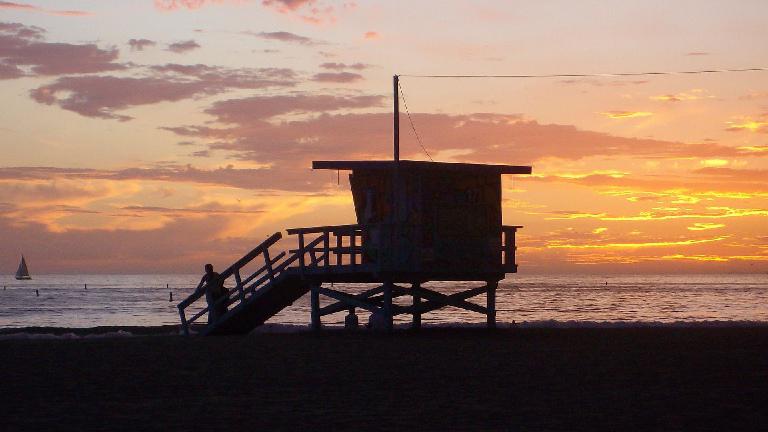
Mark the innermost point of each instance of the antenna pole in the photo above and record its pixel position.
(395, 88)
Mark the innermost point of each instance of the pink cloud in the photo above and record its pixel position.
(309, 11)
(285, 6)
(172, 5)
(284, 36)
(337, 77)
(140, 44)
(22, 49)
(103, 96)
(32, 8)
(343, 66)
(183, 47)
(252, 134)
(260, 108)
(181, 245)
(284, 178)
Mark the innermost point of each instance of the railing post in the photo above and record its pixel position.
(416, 305)
(327, 247)
(313, 256)
(491, 304)
(301, 252)
(339, 255)
(268, 263)
(315, 306)
(352, 248)
(184, 324)
(239, 281)
(514, 247)
(387, 308)
(507, 251)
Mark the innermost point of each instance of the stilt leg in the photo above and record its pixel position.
(416, 303)
(492, 303)
(387, 309)
(315, 306)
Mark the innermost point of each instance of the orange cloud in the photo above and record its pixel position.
(695, 94)
(626, 114)
(701, 226)
(636, 245)
(754, 149)
(695, 257)
(371, 35)
(668, 214)
(747, 124)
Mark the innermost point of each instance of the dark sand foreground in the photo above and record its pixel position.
(448, 379)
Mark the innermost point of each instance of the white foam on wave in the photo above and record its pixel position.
(544, 324)
(607, 324)
(31, 335)
(276, 328)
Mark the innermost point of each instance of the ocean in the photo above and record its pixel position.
(527, 300)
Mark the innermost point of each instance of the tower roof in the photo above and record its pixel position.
(421, 165)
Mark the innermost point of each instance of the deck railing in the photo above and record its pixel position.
(334, 245)
(509, 247)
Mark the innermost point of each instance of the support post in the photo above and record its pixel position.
(327, 248)
(184, 324)
(416, 325)
(491, 306)
(387, 307)
(396, 138)
(315, 306)
(301, 253)
(239, 281)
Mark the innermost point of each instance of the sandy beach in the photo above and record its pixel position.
(438, 379)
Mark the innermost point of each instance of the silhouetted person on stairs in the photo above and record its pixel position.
(214, 290)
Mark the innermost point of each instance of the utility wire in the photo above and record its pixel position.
(584, 75)
(563, 75)
(413, 126)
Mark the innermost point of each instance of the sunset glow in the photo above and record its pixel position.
(156, 135)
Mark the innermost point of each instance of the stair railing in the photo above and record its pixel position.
(268, 271)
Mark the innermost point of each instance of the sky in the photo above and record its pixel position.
(152, 136)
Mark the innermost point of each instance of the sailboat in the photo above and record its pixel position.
(23, 273)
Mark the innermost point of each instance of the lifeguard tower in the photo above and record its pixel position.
(417, 222)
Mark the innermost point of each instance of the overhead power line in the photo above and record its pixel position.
(558, 75)
(586, 75)
(413, 126)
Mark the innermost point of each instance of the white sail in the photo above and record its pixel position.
(22, 273)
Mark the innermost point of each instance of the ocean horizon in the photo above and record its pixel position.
(82, 301)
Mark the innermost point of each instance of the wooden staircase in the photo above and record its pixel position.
(261, 283)
(274, 282)
(255, 298)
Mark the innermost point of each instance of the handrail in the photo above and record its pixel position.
(229, 271)
(234, 269)
(274, 238)
(321, 229)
